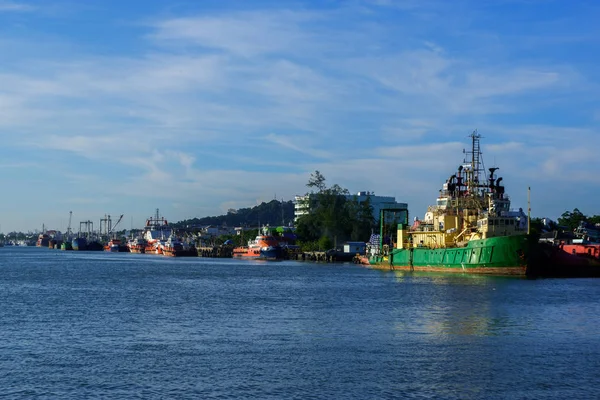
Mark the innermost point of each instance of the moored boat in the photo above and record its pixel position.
(470, 229)
(79, 243)
(246, 252)
(264, 246)
(156, 232)
(43, 240)
(112, 246)
(94, 245)
(571, 254)
(137, 245)
(174, 247)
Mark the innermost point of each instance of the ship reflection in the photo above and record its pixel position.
(456, 305)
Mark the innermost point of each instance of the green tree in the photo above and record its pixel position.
(594, 220)
(317, 181)
(332, 214)
(571, 220)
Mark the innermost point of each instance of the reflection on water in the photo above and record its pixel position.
(459, 304)
(441, 278)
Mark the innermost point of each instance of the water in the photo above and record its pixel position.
(80, 325)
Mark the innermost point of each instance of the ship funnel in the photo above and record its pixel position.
(492, 170)
(499, 189)
(452, 184)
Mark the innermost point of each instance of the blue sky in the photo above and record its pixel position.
(195, 107)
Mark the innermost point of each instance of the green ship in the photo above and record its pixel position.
(470, 229)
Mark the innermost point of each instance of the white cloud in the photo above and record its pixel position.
(13, 6)
(246, 34)
(205, 103)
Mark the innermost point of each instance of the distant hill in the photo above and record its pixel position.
(273, 213)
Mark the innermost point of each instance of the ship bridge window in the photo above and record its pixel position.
(442, 202)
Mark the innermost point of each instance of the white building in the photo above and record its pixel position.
(377, 203)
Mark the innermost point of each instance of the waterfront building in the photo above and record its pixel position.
(377, 203)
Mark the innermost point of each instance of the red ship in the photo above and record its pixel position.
(264, 246)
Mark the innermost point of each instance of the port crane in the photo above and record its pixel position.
(117, 223)
(112, 229)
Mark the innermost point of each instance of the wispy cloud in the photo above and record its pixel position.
(13, 6)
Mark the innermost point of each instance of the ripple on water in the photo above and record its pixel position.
(128, 325)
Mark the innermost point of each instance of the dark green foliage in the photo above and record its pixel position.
(571, 220)
(317, 181)
(325, 243)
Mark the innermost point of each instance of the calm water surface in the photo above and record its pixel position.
(80, 325)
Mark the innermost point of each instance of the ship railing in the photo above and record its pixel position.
(423, 227)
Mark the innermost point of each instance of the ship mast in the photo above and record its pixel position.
(474, 162)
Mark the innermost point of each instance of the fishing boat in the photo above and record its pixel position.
(470, 229)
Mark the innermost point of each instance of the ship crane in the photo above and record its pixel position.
(115, 225)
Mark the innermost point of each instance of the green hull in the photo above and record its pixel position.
(506, 255)
(66, 245)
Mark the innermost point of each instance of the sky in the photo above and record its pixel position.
(196, 107)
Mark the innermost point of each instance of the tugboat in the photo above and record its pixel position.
(470, 229)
